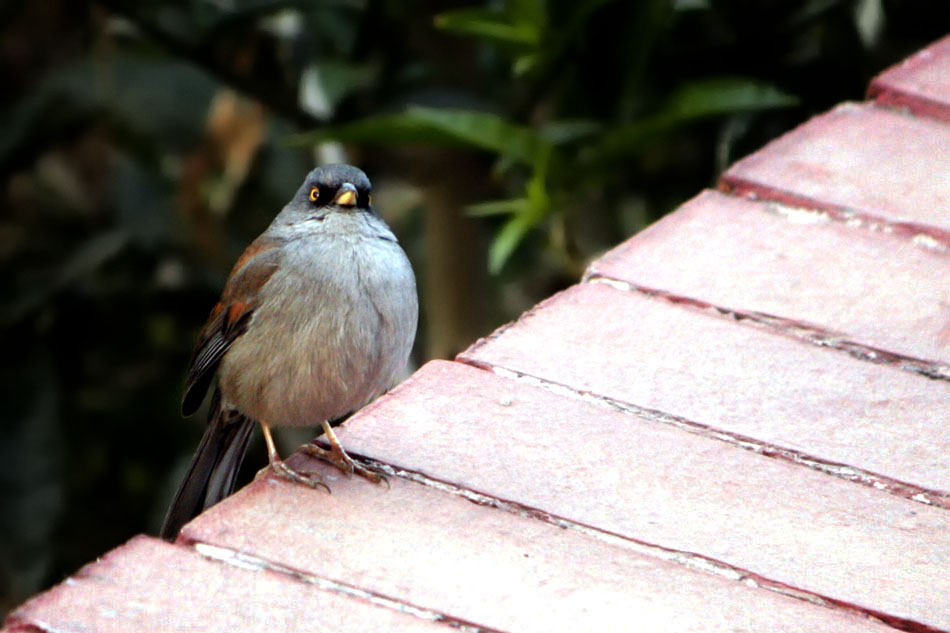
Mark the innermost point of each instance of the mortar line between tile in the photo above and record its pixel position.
(797, 330)
(847, 472)
(916, 106)
(925, 235)
(690, 560)
(244, 560)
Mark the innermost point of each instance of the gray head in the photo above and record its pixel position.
(330, 189)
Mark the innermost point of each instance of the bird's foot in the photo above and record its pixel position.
(346, 464)
(282, 470)
(311, 479)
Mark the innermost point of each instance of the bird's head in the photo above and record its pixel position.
(331, 189)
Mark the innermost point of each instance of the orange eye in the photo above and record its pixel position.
(314, 194)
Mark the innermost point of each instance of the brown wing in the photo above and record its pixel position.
(229, 318)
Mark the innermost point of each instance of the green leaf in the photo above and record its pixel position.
(725, 95)
(485, 130)
(691, 5)
(567, 131)
(537, 207)
(498, 207)
(528, 12)
(384, 129)
(524, 64)
(693, 101)
(439, 126)
(507, 240)
(490, 25)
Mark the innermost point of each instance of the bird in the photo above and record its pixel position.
(316, 319)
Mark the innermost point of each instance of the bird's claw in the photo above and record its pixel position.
(311, 479)
(344, 463)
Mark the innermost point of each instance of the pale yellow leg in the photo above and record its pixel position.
(283, 470)
(338, 457)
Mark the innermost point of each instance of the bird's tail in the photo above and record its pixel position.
(213, 469)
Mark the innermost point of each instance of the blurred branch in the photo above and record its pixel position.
(276, 95)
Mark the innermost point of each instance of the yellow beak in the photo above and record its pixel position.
(346, 196)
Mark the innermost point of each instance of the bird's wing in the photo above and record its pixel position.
(230, 317)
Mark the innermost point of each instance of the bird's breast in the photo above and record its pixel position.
(332, 331)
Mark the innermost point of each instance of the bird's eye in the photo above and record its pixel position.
(314, 194)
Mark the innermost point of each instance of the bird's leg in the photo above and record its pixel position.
(281, 469)
(338, 457)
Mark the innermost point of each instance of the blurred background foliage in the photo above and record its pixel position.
(143, 144)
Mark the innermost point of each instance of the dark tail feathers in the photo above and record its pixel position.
(213, 469)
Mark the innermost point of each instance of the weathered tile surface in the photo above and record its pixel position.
(738, 379)
(870, 287)
(859, 160)
(654, 483)
(919, 83)
(150, 585)
(509, 570)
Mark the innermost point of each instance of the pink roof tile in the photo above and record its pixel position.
(825, 277)
(716, 373)
(860, 162)
(919, 83)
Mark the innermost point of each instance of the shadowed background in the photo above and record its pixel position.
(144, 144)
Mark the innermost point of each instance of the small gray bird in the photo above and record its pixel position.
(317, 319)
